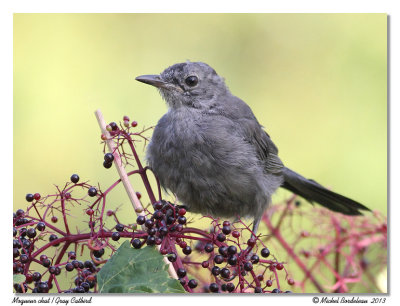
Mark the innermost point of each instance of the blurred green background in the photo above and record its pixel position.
(317, 82)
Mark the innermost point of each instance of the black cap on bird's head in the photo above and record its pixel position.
(191, 84)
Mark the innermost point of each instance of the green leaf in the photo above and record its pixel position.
(132, 270)
(18, 278)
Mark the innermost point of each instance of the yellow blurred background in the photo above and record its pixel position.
(317, 82)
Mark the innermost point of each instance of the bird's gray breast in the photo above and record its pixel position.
(207, 163)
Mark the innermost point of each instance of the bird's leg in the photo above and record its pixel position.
(256, 223)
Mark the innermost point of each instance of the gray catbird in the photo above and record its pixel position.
(212, 153)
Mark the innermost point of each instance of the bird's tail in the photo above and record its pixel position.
(314, 192)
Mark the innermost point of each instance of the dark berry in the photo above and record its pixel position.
(98, 253)
(19, 222)
(158, 214)
(108, 158)
(24, 258)
(16, 244)
(265, 252)
(85, 286)
(88, 264)
(151, 240)
(46, 263)
(221, 237)
(248, 266)
(226, 223)
(41, 226)
(22, 232)
(31, 233)
(149, 223)
(257, 290)
(181, 272)
(276, 290)
(119, 227)
(15, 252)
(14, 232)
(52, 237)
(158, 205)
(230, 287)
(52, 270)
(91, 224)
(223, 250)
(254, 259)
(115, 236)
(215, 270)
(232, 260)
(29, 197)
(182, 281)
(141, 220)
(36, 276)
(76, 264)
(43, 287)
(107, 165)
(192, 283)
(209, 247)
(182, 220)
(213, 287)
(225, 272)
(114, 126)
(136, 243)
(226, 230)
(26, 244)
(232, 250)
(268, 283)
(43, 257)
(163, 231)
(92, 191)
(19, 212)
(187, 250)
(71, 255)
(69, 267)
(172, 257)
(58, 271)
(20, 288)
(170, 220)
(218, 259)
(75, 178)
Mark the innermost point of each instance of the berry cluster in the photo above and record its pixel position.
(37, 241)
(226, 258)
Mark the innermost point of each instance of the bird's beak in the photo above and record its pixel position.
(152, 79)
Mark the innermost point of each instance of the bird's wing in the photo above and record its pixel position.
(265, 148)
(253, 132)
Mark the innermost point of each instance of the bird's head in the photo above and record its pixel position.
(189, 84)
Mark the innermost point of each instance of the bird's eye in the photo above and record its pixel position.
(191, 80)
